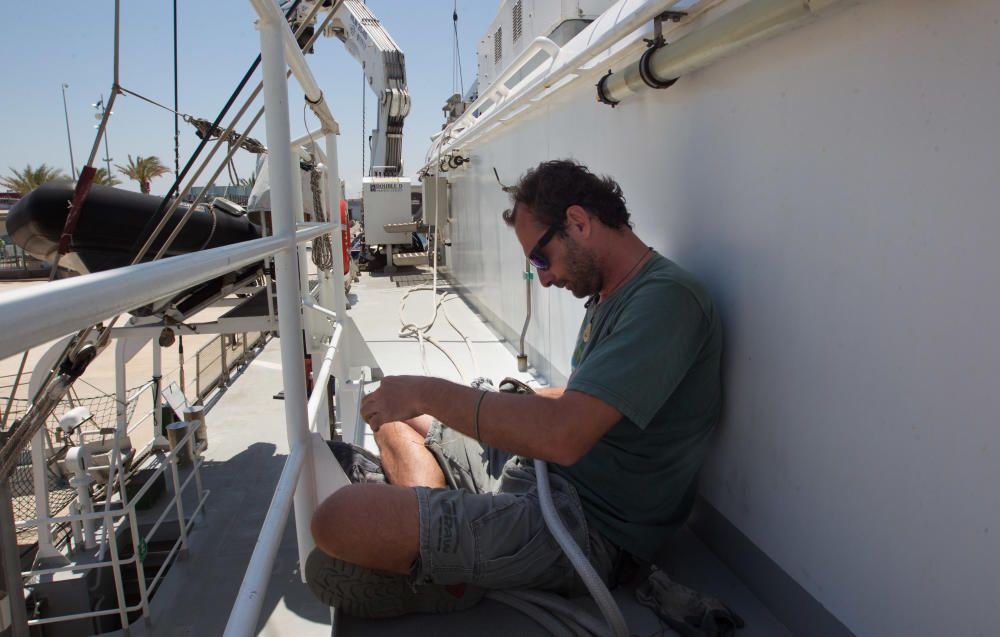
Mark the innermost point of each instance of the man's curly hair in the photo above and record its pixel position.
(553, 186)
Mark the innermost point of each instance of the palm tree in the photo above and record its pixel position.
(143, 170)
(26, 180)
(104, 178)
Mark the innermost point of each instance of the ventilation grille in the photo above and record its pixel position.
(517, 21)
(497, 45)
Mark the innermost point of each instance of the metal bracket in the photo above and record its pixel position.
(657, 42)
(602, 95)
(504, 188)
(673, 16)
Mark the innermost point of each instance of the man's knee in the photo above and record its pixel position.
(373, 525)
(326, 532)
(397, 432)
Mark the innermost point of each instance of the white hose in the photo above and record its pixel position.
(601, 594)
(609, 608)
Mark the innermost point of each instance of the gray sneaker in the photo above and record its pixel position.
(363, 592)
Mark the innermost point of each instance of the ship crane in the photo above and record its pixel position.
(380, 57)
(386, 195)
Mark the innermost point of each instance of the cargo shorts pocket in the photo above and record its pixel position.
(514, 549)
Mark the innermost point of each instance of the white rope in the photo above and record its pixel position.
(420, 332)
(410, 330)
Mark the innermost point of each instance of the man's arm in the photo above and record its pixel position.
(550, 392)
(555, 426)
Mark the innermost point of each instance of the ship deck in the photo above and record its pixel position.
(246, 452)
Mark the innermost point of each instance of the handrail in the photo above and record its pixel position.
(243, 618)
(561, 69)
(68, 305)
(268, 11)
(499, 86)
(116, 562)
(73, 304)
(318, 396)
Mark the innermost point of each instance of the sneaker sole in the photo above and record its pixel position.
(363, 592)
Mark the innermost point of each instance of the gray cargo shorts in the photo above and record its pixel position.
(487, 528)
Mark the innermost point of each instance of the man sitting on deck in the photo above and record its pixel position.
(624, 440)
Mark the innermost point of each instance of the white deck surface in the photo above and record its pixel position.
(247, 449)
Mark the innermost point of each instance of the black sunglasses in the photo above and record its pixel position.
(535, 257)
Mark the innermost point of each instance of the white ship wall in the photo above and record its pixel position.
(837, 188)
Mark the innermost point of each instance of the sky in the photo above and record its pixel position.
(67, 41)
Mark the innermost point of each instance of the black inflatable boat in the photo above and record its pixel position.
(112, 226)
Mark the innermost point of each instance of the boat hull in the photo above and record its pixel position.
(113, 224)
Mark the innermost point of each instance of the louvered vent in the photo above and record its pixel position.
(517, 20)
(497, 45)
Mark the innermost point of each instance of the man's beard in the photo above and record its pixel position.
(583, 274)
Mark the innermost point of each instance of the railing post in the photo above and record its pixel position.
(224, 373)
(12, 582)
(140, 568)
(159, 440)
(178, 494)
(339, 300)
(116, 571)
(45, 548)
(301, 251)
(116, 472)
(333, 283)
(289, 295)
(197, 376)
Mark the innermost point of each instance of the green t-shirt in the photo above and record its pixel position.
(652, 350)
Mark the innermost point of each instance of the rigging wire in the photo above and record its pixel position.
(177, 123)
(456, 58)
(40, 409)
(364, 142)
(179, 176)
(176, 113)
(164, 210)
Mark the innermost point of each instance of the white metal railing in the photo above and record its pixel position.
(296, 485)
(500, 103)
(41, 313)
(85, 300)
(185, 519)
(244, 616)
(127, 515)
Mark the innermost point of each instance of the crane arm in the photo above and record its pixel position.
(369, 43)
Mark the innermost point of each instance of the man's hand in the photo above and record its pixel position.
(397, 398)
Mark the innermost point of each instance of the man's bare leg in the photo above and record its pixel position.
(405, 459)
(372, 525)
(375, 525)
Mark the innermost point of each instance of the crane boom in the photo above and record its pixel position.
(381, 59)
